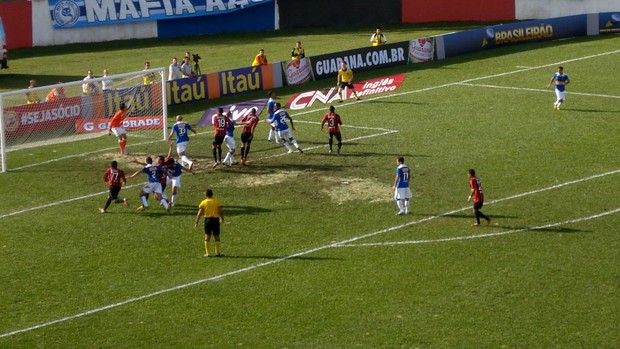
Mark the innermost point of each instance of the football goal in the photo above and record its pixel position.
(35, 122)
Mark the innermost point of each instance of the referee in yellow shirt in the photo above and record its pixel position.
(345, 79)
(214, 215)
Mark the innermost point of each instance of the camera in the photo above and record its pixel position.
(196, 57)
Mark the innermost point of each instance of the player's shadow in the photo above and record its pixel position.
(590, 110)
(471, 215)
(383, 101)
(299, 258)
(237, 210)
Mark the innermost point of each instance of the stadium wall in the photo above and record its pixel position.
(424, 11)
(537, 9)
(29, 23)
(17, 20)
(330, 13)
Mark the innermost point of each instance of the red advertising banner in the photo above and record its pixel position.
(297, 71)
(42, 116)
(421, 50)
(135, 123)
(363, 88)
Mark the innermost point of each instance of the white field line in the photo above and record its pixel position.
(278, 260)
(56, 203)
(539, 90)
(396, 94)
(469, 237)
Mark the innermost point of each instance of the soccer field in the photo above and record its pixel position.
(315, 256)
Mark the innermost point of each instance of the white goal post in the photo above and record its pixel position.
(79, 111)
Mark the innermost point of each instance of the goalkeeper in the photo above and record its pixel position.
(116, 127)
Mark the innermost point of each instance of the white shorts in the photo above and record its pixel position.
(560, 95)
(285, 134)
(118, 131)
(151, 187)
(402, 193)
(174, 181)
(230, 142)
(181, 147)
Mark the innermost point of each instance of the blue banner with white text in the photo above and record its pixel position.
(83, 13)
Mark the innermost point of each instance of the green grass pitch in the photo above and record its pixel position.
(314, 254)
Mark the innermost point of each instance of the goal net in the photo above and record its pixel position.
(42, 124)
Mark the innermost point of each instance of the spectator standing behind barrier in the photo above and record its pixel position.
(260, 59)
(186, 67)
(32, 97)
(298, 52)
(107, 83)
(89, 88)
(174, 71)
(55, 94)
(148, 78)
(378, 38)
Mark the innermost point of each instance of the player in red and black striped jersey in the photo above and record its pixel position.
(116, 179)
(220, 124)
(333, 127)
(476, 193)
(249, 123)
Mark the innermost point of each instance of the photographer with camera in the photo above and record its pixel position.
(196, 58)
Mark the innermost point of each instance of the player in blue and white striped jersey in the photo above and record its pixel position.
(560, 80)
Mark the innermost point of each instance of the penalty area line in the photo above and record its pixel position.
(538, 90)
(480, 236)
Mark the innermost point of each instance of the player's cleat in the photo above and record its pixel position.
(101, 209)
(400, 213)
(330, 150)
(191, 165)
(340, 101)
(125, 152)
(289, 151)
(207, 255)
(558, 107)
(475, 225)
(358, 99)
(125, 202)
(488, 221)
(338, 152)
(215, 164)
(219, 255)
(300, 150)
(141, 208)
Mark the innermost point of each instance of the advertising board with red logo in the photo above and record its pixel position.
(297, 71)
(134, 123)
(330, 95)
(42, 116)
(421, 50)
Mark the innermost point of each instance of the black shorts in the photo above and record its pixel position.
(114, 192)
(246, 137)
(346, 84)
(335, 134)
(218, 140)
(212, 226)
(478, 205)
